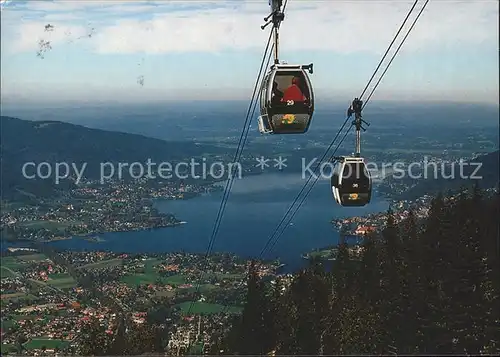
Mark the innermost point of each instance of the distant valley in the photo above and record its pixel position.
(179, 134)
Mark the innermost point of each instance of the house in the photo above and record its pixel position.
(362, 230)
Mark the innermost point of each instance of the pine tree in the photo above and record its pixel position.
(253, 338)
(287, 318)
(470, 310)
(320, 301)
(341, 271)
(391, 289)
(491, 247)
(369, 277)
(306, 340)
(434, 268)
(413, 290)
(339, 337)
(276, 315)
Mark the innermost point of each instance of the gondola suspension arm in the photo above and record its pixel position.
(275, 18)
(356, 108)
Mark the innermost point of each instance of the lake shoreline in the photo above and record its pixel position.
(255, 207)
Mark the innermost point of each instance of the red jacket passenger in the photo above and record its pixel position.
(293, 92)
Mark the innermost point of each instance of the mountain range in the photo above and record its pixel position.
(53, 142)
(25, 141)
(482, 171)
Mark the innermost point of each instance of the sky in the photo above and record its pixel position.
(212, 50)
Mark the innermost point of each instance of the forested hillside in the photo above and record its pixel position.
(23, 141)
(421, 288)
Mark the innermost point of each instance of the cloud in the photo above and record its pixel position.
(192, 26)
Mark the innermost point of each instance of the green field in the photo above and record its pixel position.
(8, 349)
(151, 275)
(140, 279)
(203, 287)
(64, 281)
(151, 278)
(6, 273)
(150, 264)
(34, 316)
(32, 257)
(59, 276)
(165, 293)
(60, 280)
(50, 225)
(24, 317)
(225, 276)
(178, 279)
(6, 324)
(38, 343)
(10, 206)
(18, 296)
(204, 308)
(102, 264)
(12, 296)
(17, 263)
(12, 263)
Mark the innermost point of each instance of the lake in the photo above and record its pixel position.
(254, 209)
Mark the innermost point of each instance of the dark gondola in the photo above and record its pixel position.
(286, 100)
(286, 94)
(351, 182)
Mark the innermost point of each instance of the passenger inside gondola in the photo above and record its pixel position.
(293, 92)
(293, 86)
(277, 95)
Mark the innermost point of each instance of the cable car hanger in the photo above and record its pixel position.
(286, 93)
(275, 18)
(356, 108)
(351, 181)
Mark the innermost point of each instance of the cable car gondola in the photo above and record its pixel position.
(286, 100)
(351, 182)
(286, 94)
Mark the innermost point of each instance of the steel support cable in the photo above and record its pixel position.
(388, 49)
(229, 183)
(302, 189)
(255, 101)
(373, 90)
(226, 306)
(307, 193)
(246, 127)
(241, 144)
(395, 53)
(333, 141)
